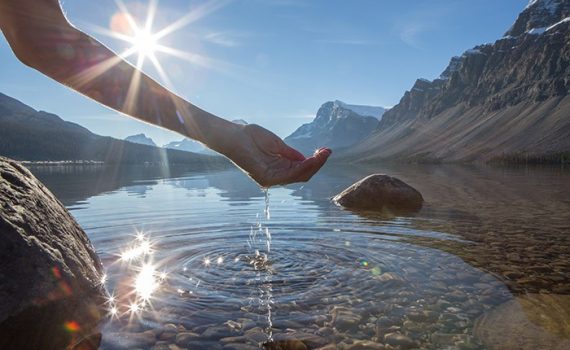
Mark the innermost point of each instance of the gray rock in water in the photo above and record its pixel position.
(50, 290)
(380, 192)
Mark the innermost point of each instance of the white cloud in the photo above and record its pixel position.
(413, 26)
(222, 39)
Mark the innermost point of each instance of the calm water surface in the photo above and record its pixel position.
(205, 260)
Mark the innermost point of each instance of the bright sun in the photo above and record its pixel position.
(144, 43)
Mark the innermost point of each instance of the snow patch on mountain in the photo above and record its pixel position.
(365, 111)
(186, 145)
(549, 5)
(567, 19)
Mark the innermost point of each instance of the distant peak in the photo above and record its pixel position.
(539, 15)
(141, 139)
(550, 5)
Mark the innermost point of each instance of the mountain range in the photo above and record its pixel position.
(504, 101)
(27, 134)
(336, 125)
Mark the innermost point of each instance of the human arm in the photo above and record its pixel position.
(42, 38)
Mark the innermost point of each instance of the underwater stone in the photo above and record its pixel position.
(51, 276)
(380, 193)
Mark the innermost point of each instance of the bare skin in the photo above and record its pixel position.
(42, 38)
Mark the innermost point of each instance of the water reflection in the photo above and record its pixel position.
(485, 237)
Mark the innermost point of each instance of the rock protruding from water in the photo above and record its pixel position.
(380, 193)
(50, 290)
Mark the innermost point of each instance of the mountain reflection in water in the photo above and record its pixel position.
(487, 239)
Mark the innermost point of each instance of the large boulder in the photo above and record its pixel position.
(527, 322)
(50, 291)
(380, 192)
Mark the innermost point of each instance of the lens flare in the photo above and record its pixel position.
(144, 43)
(72, 326)
(134, 307)
(146, 283)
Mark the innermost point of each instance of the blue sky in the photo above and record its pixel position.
(274, 62)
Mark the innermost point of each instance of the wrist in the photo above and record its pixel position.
(224, 137)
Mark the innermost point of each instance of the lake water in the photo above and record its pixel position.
(194, 260)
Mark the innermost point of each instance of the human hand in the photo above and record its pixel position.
(269, 161)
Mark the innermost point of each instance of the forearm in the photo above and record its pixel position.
(82, 63)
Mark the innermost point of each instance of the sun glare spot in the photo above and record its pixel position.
(114, 311)
(137, 251)
(146, 283)
(144, 43)
(134, 307)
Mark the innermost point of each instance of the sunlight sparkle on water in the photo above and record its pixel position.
(139, 250)
(146, 283)
(140, 274)
(220, 260)
(134, 307)
(207, 261)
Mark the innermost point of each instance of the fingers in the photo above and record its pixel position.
(291, 153)
(306, 169)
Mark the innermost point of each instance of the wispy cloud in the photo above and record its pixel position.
(412, 27)
(222, 39)
(411, 34)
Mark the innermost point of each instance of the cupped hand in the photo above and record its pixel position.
(269, 161)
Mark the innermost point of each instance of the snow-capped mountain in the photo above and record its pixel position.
(141, 139)
(336, 125)
(187, 145)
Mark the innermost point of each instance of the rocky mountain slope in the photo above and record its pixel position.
(336, 125)
(26, 134)
(507, 100)
(141, 139)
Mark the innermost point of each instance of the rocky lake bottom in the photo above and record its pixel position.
(205, 260)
